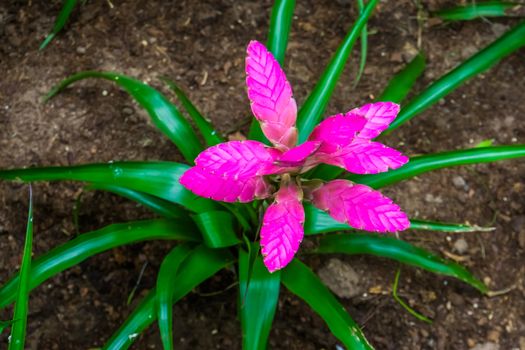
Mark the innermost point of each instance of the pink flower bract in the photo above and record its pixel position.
(242, 171)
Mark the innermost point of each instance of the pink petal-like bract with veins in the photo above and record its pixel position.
(378, 117)
(360, 207)
(238, 159)
(271, 98)
(365, 157)
(219, 188)
(337, 131)
(282, 229)
(296, 156)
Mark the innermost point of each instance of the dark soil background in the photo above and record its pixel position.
(201, 45)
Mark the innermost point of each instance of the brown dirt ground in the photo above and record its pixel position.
(201, 44)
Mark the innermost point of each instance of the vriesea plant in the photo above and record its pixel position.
(287, 181)
(248, 170)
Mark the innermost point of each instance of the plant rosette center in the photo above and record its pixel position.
(243, 171)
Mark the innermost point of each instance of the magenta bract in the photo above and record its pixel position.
(242, 171)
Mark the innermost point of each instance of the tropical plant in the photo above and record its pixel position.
(213, 235)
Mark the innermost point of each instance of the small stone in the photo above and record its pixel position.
(460, 246)
(486, 346)
(459, 182)
(341, 278)
(127, 111)
(494, 335)
(431, 199)
(456, 299)
(236, 136)
(428, 296)
(409, 51)
(81, 50)
(522, 343)
(471, 342)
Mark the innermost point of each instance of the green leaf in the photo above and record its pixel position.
(166, 284)
(313, 108)
(447, 227)
(88, 244)
(480, 62)
(198, 266)
(364, 46)
(478, 9)
(160, 179)
(61, 20)
(205, 127)
(155, 204)
(258, 297)
(279, 31)
(392, 248)
(318, 221)
(217, 228)
(396, 91)
(423, 164)
(301, 281)
(18, 331)
(163, 113)
(400, 85)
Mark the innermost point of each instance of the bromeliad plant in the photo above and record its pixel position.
(248, 170)
(238, 190)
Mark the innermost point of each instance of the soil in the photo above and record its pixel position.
(201, 45)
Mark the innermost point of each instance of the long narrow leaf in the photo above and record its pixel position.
(478, 9)
(163, 113)
(60, 22)
(313, 108)
(392, 248)
(200, 265)
(18, 331)
(217, 228)
(480, 62)
(318, 221)
(205, 127)
(166, 284)
(160, 179)
(423, 164)
(88, 244)
(447, 227)
(258, 297)
(279, 31)
(155, 204)
(400, 85)
(301, 281)
(364, 46)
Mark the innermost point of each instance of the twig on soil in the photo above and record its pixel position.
(141, 273)
(457, 258)
(497, 293)
(405, 305)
